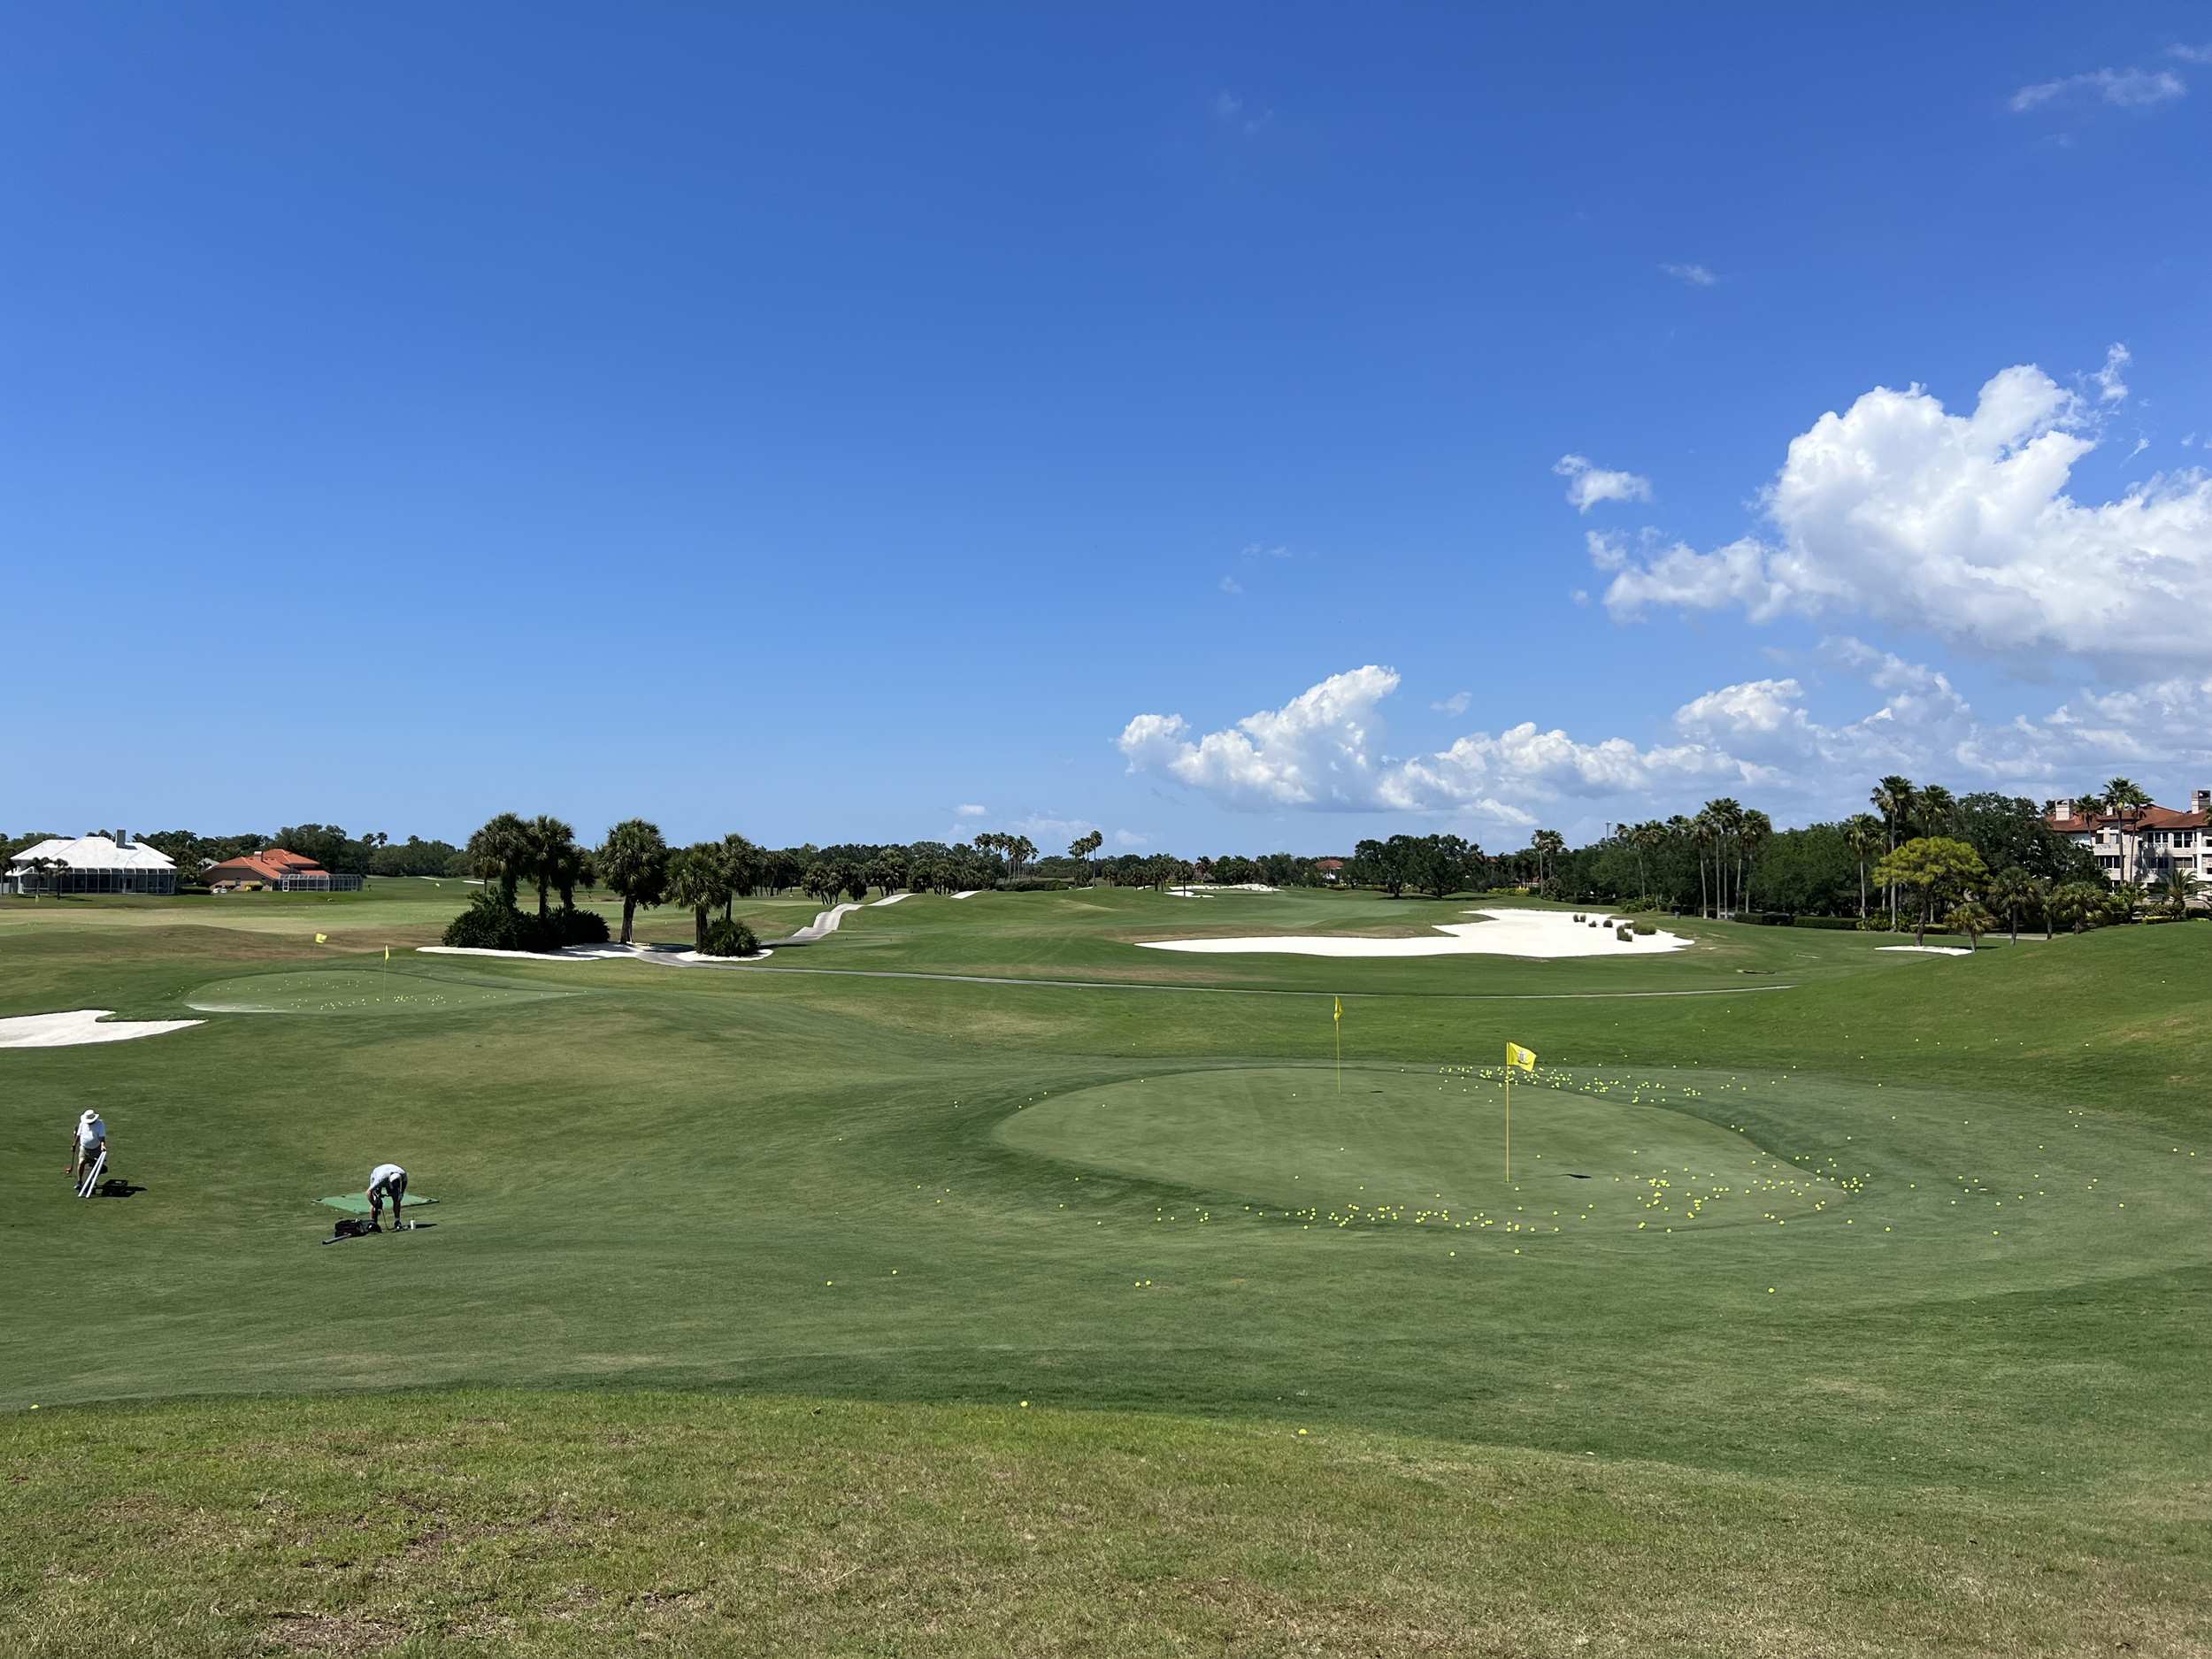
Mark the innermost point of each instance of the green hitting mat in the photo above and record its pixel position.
(356, 1204)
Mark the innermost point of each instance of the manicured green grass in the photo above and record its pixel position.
(1921, 1266)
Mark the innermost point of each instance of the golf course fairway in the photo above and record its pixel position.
(974, 1282)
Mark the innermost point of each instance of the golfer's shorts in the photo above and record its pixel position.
(396, 1192)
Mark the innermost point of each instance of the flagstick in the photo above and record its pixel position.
(1337, 1025)
(1508, 1123)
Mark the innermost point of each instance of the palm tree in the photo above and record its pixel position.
(2013, 890)
(1862, 834)
(549, 849)
(2175, 889)
(1893, 798)
(1756, 829)
(699, 880)
(1547, 845)
(500, 851)
(1704, 833)
(1937, 809)
(2078, 902)
(1082, 847)
(1972, 919)
(743, 862)
(2126, 801)
(634, 861)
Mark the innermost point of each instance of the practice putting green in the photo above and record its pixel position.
(1424, 1146)
(362, 990)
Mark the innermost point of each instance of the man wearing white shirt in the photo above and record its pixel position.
(86, 1141)
(386, 1180)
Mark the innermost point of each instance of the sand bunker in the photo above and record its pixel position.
(81, 1025)
(1506, 933)
(889, 898)
(591, 953)
(970, 894)
(1930, 950)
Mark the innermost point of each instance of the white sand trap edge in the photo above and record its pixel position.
(586, 953)
(970, 894)
(81, 1025)
(1929, 950)
(889, 898)
(1545, 933)
(1207, 889)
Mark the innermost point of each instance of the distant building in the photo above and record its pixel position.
(90, 864)
(2142, 846)
(275, 868)
(1329, 869)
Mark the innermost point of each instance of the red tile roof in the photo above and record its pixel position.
(270, 864)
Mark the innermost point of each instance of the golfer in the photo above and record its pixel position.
(86, 1141)
(386, 1180)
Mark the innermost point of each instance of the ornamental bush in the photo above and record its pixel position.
(726, 937)
(491, 923)
(1645, 929)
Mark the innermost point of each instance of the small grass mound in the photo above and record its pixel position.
(362, 990)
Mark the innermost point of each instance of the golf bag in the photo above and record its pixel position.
(91, 1180)
(353, 1227)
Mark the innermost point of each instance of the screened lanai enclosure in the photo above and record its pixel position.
(90, 864)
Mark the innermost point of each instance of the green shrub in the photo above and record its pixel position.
(1624, 933)
(1033, 884)
(726, 937)
(580, 927)
(1645, 929)
(491, 923)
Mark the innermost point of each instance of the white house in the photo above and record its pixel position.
(2143, 845)
(90, 864)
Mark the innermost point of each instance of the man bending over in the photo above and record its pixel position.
(86, 1141)
(386, 1180)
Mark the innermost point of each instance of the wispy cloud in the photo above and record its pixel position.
(1696, 276)
(1231, 585)
(1457, 704)
(1260, 550)
(2123, 88)
(971, 810)
(1588, 483)
(1131, 838)
(1234, 114)
(2191, 54)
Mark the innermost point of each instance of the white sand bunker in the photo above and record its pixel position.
(1506, 933)
(81, 1025)
(1929, 950)
(590, 953)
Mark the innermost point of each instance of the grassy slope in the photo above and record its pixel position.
(652, 1178)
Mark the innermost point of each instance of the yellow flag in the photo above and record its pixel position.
(387, 953)
(322, 939)
(1339, 1015)
(1526, 1058)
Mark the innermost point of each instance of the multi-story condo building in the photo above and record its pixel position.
(2142, 845)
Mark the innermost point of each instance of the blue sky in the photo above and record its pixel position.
(815, 425)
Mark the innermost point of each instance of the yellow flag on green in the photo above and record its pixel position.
(387, 953)
(1339, 1015)
(1526, 1058)
(322, 939)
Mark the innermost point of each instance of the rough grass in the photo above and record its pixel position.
(585, 1523)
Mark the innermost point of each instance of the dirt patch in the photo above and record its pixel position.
(326, 1633)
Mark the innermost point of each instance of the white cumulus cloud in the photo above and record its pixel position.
(1696, 276)
(1323, 750)
(1960, 525)
(1457, 704)
(1588, 483)
(970, 809)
